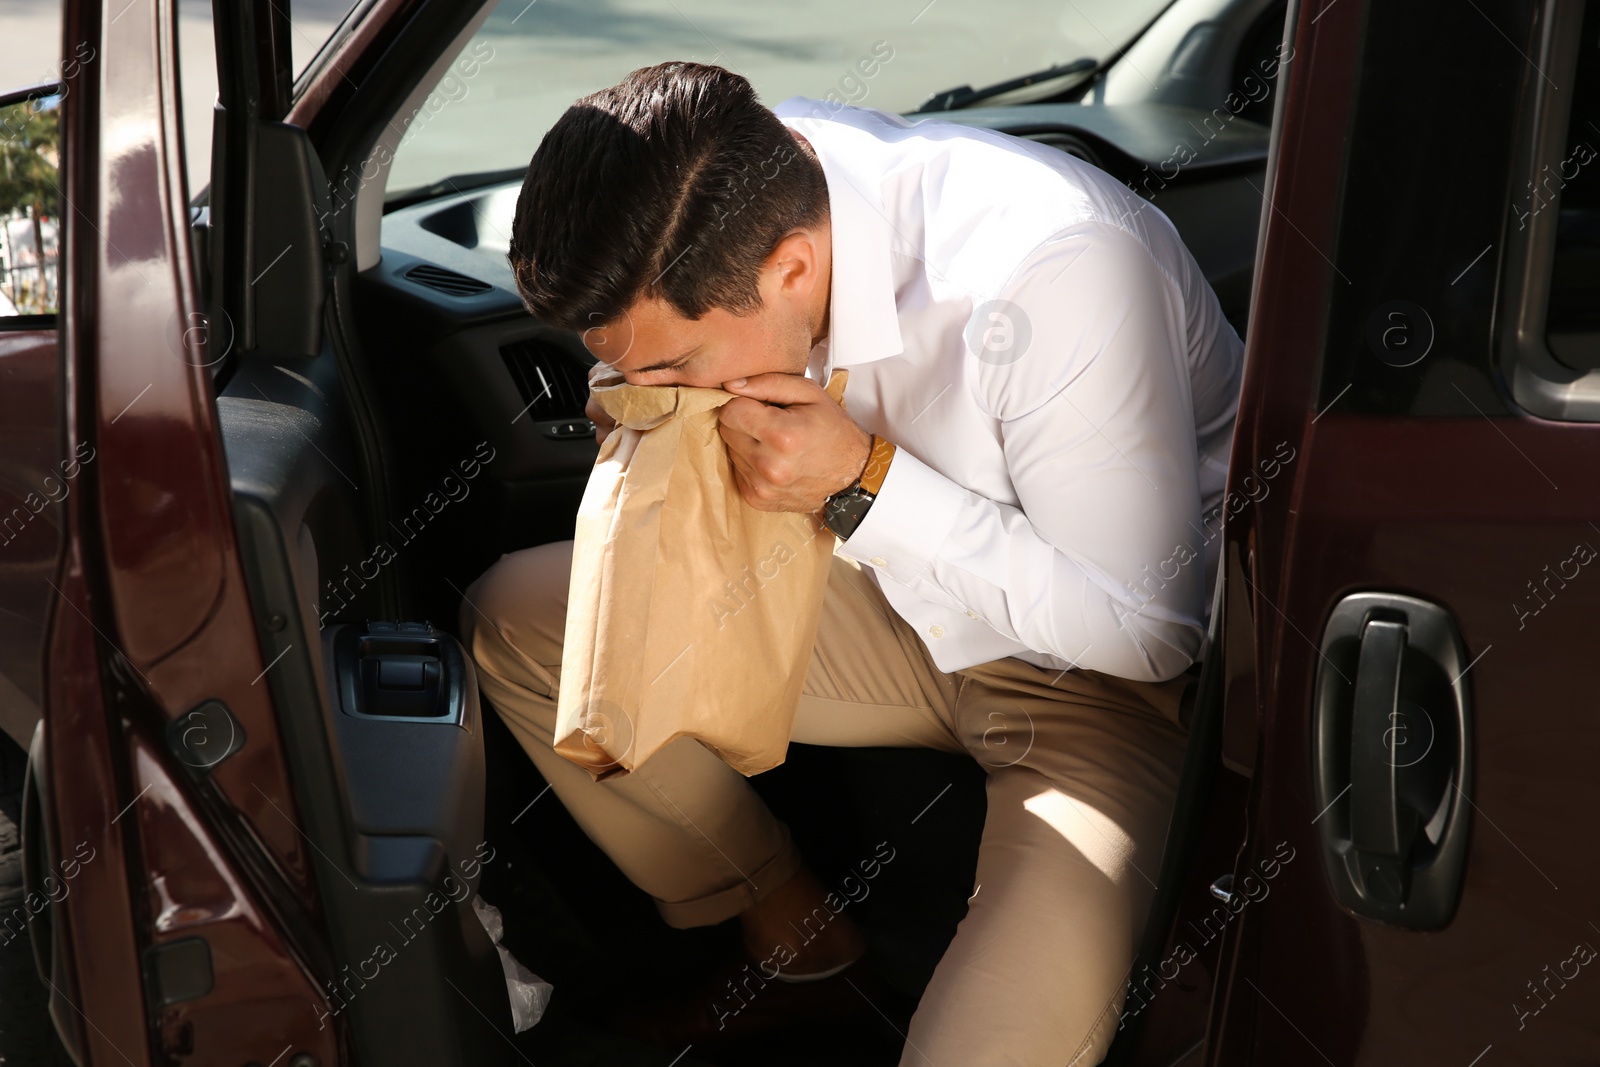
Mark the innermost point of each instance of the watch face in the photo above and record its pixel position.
(845, 510)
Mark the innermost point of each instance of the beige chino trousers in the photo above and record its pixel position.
(1083, 769)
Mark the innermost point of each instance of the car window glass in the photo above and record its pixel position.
(197, 69)
(1571, 186)
(30, 43)
(30, 204)
(532, 58)
(30, 54)
(311, 23)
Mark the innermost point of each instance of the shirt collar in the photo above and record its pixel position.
(863, 323)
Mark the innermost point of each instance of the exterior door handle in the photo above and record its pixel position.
(1392, 758)
(1382, 828)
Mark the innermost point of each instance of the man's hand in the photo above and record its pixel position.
(603, 423)
(792, 445)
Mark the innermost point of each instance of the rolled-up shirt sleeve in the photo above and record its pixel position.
(1095, 563)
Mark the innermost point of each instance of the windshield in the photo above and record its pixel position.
(532, 58)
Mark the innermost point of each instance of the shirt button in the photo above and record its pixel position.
(878, 561)
(972, 614)
(936, 630)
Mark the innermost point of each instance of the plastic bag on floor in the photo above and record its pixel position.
(528, 992)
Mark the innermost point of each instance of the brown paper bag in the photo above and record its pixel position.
(689, 613)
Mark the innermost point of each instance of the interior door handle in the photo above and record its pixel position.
(1392, 758)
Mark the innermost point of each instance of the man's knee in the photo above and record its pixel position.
(513, 615)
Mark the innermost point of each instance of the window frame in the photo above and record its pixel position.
(1540, 383)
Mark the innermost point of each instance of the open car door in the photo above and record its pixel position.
(271, 813)
(1411, 609)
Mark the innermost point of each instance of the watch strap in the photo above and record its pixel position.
(877, 467)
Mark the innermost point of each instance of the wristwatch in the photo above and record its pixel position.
(843, 511)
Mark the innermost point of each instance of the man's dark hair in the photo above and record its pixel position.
(675, 184)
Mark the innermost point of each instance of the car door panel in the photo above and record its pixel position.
(395, 803)
(1372, 354)
(391, 801)
(149, 624)
(229, 906)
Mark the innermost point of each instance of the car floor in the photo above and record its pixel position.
(572, 918)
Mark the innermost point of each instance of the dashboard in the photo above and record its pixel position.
(456, 245)
(464, 361)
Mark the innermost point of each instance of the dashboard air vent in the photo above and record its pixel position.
(447, 281)
(552, 382)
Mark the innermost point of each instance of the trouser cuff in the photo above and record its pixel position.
(724, 904)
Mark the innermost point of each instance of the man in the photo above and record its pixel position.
(1039, 410)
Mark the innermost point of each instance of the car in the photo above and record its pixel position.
(285, 404)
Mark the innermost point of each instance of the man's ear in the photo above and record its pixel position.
(794, 263)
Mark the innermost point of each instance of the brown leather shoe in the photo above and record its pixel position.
(738, 1000)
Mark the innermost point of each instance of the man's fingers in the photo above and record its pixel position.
(741, 467)
(737, 440)
(753, 484)
(744, 452)
(776, 387)
(745, 479)
(759, 421)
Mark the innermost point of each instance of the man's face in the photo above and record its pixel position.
(653, 344)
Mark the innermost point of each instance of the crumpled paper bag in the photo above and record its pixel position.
(689, 613)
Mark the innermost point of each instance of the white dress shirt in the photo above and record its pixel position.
(1057, 450)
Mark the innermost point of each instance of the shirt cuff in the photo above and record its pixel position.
(909, 519)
